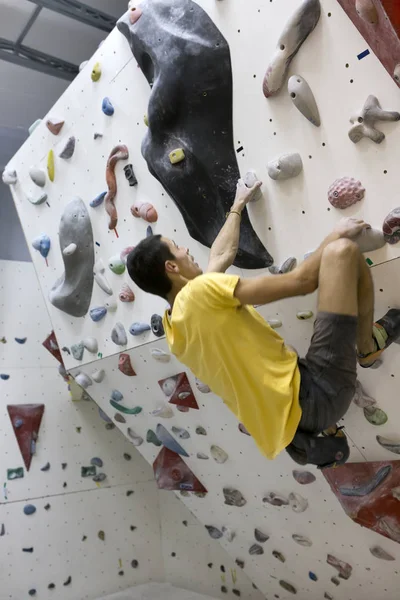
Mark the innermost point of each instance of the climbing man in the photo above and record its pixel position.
(213, 328)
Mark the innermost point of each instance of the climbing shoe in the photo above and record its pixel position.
(385, 332)
(327, 450)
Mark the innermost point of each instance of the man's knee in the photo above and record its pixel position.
(342, 250)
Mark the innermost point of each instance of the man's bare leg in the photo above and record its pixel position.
(365, 290)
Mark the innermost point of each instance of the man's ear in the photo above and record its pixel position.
(171, 267)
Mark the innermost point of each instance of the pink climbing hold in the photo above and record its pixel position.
(345, 192)
(144, 210)
(391, 226)
(125, 365)
(124, 253)
(126, 294)
(135, 12)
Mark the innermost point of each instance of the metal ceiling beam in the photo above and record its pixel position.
(28, 26)
(79, 11)
(38, 61)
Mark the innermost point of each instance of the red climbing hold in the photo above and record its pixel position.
(172, 473)
(51, 344)
(125, 365)
(26, 419)
(178, 390)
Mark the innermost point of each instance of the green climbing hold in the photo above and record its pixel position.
(116, 265)
(15, 473)
(88, 471)
(151, 438)
(101, 535)
(375, 416)
(124, 409)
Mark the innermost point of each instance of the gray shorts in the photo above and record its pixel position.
(328, 372)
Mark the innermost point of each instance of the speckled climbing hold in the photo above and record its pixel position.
(144, 210)
(375, 416)
(202, 456)
(256, 549)
(126, 294)
(361, 398)
(213, 532)
(119, 418)
(312, 576)
(297, 29)
(42, 244)
(302, 540)
(83, 380)
(96, 461)
(98, 200)
(29, 509)
(38, 176)
(303, 99)
(285, 167)
(125, 365)
(99, 477)
(77, 350)
(151, 438)
(260, 536)
(70, 249)
(200, 430)
(275, 499)
(391, 445)
(297, 502)
(88, 471)
(97, 313)
(165, 411)
(343, 568)
(159, 355)
(274, 323)
(379, 552)
(15, 473)
(287, 586)
(118, 335)
(20, 340)
(233, 497)
(279, 556)
(169, 441)
(228, 533)
(370, 239)
(50, 165)
(391, 226)
(219, 455)
(46, 467)
(137, 440)
(303, 477)
(107, 107)
(177, 156)
(96, 72)
(130, 175)
(345, 192)
(364, 121)
(35, 124)
(139, 328)
(116, 265)
(202, 387)
(91, 344)
(69, 148)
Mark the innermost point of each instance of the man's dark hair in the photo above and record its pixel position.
(146, 266)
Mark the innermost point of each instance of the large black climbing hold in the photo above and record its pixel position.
(186, 61)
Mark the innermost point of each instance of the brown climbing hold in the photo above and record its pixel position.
(101, 535)
(125, 365)
(256, 549)
(119, 152)
(366, 10)
(172, 473)
(243, 429)
(26, 419)
(178, 390)
(303, 477)
(54, 125)
(345, 192)
(119, 418)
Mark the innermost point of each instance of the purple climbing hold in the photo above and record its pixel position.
(97, 313)
(97, 462)
(342, 567)
(68, 149)
(345, 192)
(104, 416)
(149, 231)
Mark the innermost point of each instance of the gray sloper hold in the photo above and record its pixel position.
(233, 497)
(370, 239)
(118, 335)
(38, 176)
(303, 99)
(297, 29)
(169, 441)
(364, 121)
(68, 149)
(379, 552)
(72, 292)
(285, 167)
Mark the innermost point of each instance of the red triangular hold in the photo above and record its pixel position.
(172, 473)
(178, 390)
(51, 344)
(26, 419)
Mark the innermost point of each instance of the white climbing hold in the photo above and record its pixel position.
(91, 344)
(83, 65)
(303, 99)
(303, 315)
(202, 387)
(9, 176)
(274, 323)
(38, 200)
(165, 412)
(229, 534)
(111, 304)
(118, 335)
(370, 239)
(99, 375)
(219, 455)
(361, 398)
(83, 380)
(38, 176)
(285, 166)
(137, 440)
(70, 249)
(98, 272)
(160, 355)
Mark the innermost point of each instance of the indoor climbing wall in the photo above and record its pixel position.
(108, 341)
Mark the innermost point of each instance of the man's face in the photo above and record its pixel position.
(184, 261)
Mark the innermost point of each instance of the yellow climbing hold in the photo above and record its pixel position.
(50, 165)
(176, 156)
(96, 72)
(146, 120)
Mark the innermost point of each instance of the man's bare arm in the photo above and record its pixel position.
(225, 247)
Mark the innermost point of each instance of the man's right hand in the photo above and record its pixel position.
(350, 227)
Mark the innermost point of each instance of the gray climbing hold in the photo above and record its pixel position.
(46, 467)
(30, 550)
(157, 325)
(219, 455)
(213, 532)
(119, 418)
(97, 313)
(72, 292)
(375, 415)
(151, 438)
(98, 376)
(285, 167)
(118, 335)
(250, 179)
(68, 148)
(97, 135)
(67, 581)
(9, 177)
(165, 412)
(29, 509)
(202, 387)
(136, 439)
(98, 200)
(335, 580)
(38, 176)
(2, 530)
(288, 265)
(278, 555)
(303, 99)
(111, 304)
(32, 592)
(328, 596)
(91, 345)
(233, 497)
(180, 432)
(256, 549)
(275, 499)
(303, 477)
(297, 502)
(77, 350)
(287, 586)
(379, 552)
(202, 456)
(160, 355)
(260, 536)
(391, 445)
(228, 533)
(99, 277)
(369, 240)
(83, 380)
(302, 540)
(127, 456)
(361, 398)
(342, 567)
(96, 461)
(20, 340)
(364, 121)
(240, 563)
(200, 430)
(139, 328)
(88, 471)
(169, 441)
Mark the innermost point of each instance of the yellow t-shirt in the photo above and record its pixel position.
(234, 351)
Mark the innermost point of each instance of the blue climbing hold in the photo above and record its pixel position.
(98, 200)
(116, 396)
(104, 416)
(312, 576)
(169, 441)
(4, 376)
(97, 462)
(42, 244)
(46, 467)
(149, 231)
(107, 107)
(29, 509)
(20, 340)
(139, 328)
(97, 313)
(18, 423)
